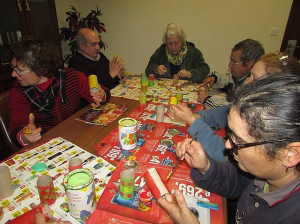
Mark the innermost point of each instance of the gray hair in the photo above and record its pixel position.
(80, 39)
(173, 29)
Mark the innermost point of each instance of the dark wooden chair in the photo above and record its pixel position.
(10, 147)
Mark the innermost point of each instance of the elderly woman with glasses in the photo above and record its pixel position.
(264, 120)
(44, 93)
(176, 56)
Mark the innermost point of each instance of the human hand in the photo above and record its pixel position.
(184, 74)
(161, 69)
(208, 82)
(182, 113)
(178, 211)
(98, 97)
(202, 95)
(30, 132)
(116, 67)
(40, 219)
(194, 154)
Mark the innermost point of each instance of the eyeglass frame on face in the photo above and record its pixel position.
(17, 70)
(234, 63)
(235, 146)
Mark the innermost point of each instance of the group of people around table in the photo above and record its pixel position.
(261, 113)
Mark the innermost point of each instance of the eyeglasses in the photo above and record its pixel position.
(20, 73)
(234, 63)
(236, 146)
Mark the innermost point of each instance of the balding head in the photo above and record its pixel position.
(88, 42)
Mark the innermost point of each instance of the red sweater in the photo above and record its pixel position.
(77, 87)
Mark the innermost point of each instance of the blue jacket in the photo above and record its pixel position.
(201, 128)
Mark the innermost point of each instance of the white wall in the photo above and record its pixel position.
(135, 27)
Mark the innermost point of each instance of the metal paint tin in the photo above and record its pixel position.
(145, 200)
(80, 192)
(127, 133)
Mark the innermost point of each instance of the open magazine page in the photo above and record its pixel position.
(103, 115)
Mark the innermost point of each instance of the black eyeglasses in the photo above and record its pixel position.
(236, 146)
(18, 71)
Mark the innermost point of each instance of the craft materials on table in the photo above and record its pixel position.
(147, 210)
(55, 154)
(162, 87)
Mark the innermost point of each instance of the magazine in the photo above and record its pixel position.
(103, 115)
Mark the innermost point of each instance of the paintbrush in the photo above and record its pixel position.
(168, 88)
(169, 175)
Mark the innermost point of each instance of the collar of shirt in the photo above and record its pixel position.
(279, 195)
(88, 57)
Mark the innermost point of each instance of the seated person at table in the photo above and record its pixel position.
(265, 142)
(201, 122)
(89, 60)
(44, 94)
(242, 58)
(177, 56)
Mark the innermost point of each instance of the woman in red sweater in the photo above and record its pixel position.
(44, 93)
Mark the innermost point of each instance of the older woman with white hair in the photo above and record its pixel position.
(176, 56)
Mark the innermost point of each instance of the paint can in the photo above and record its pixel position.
(127, 133)
(155, 183)
(80, 192)
(145, 200)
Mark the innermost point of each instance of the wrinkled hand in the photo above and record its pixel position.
(161, 69)
(116, 67)
(184, 74)
(182, 113)
(194, 154)
(30, 132)
(208, 82)
(40, 219)
(202, 95)
(178, 211)
(98, 97)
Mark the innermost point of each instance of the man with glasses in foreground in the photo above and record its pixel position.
(242, 58)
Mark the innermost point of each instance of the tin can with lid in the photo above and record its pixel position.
(80, 192)
(127, 133)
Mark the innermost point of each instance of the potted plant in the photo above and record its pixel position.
(76, 22)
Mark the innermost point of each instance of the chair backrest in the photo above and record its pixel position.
(4, 120)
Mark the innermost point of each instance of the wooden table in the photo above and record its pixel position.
(87, 136)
